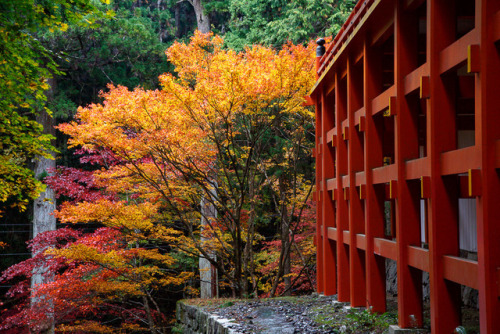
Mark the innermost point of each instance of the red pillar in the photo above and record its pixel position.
(355, 206)
(342, 209)
(328, 210)
(441, 137)
(487, 137)
(374, 210)
(406, 147)
(319, 209)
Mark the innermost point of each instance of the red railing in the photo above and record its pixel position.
(354, 18)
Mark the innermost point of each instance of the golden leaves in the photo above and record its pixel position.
(170, 143)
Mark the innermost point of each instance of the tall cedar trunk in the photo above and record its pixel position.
(202, 19)
(160, 33)
(208, 273)
(177, 15)
(43, 207)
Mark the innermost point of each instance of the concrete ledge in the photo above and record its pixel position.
(193, 320)
(393, 329)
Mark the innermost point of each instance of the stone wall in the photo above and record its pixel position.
(193, 320)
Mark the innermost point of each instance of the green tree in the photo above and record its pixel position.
(26, 67)
(127, 49)
(273, 22)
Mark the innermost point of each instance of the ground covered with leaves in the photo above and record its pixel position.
(304, 314)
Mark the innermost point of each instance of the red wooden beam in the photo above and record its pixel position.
(347, 237)
(418, 258)
(331, 184)
(332, 233)
(384, 174)
(361, 241)
(417, 168)
(456, 53)
(441, 131)
(412, 80)
(360, 178)
(461, 271)
(381, 102)
(331, 137)
(460, 161)
(385, 248)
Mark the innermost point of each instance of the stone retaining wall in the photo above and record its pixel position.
(193, 320)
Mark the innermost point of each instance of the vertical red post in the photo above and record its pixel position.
(328, 210)
(319, 209)
(318, 157)
(487, 139)
(441, 137)
(374, 210)
(342, 209)
(407, 195)
(355, 164)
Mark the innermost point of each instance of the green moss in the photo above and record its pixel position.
(226, 304)
(355, 321)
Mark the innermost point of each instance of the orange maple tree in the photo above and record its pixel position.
(206, 135)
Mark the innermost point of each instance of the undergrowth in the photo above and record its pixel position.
(352, 321)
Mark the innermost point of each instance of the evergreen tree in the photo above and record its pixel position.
(273, 22)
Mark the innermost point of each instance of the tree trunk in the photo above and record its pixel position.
(177, 15)
(208, 272)
(284, 266)
(238, 260)
(248, 258)
(285, 242)
(149, 315)
(286, 261)
(43, 207)
(160, 32)
(202, 19)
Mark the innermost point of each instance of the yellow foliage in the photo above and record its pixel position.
(87, 327)
(159, 134)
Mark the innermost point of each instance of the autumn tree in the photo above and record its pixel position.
(102, 282)
(289, 174)
(288, 265)
(206, 131)
(108, 280)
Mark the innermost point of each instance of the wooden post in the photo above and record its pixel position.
(441, 137)
(342, 220)
(407, 197)
(355, 164)
(328, 209)
(487, 120)
(374, 211)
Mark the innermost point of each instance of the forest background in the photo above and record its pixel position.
(122, 254)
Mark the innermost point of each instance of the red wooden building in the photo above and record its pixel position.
(408, 158)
